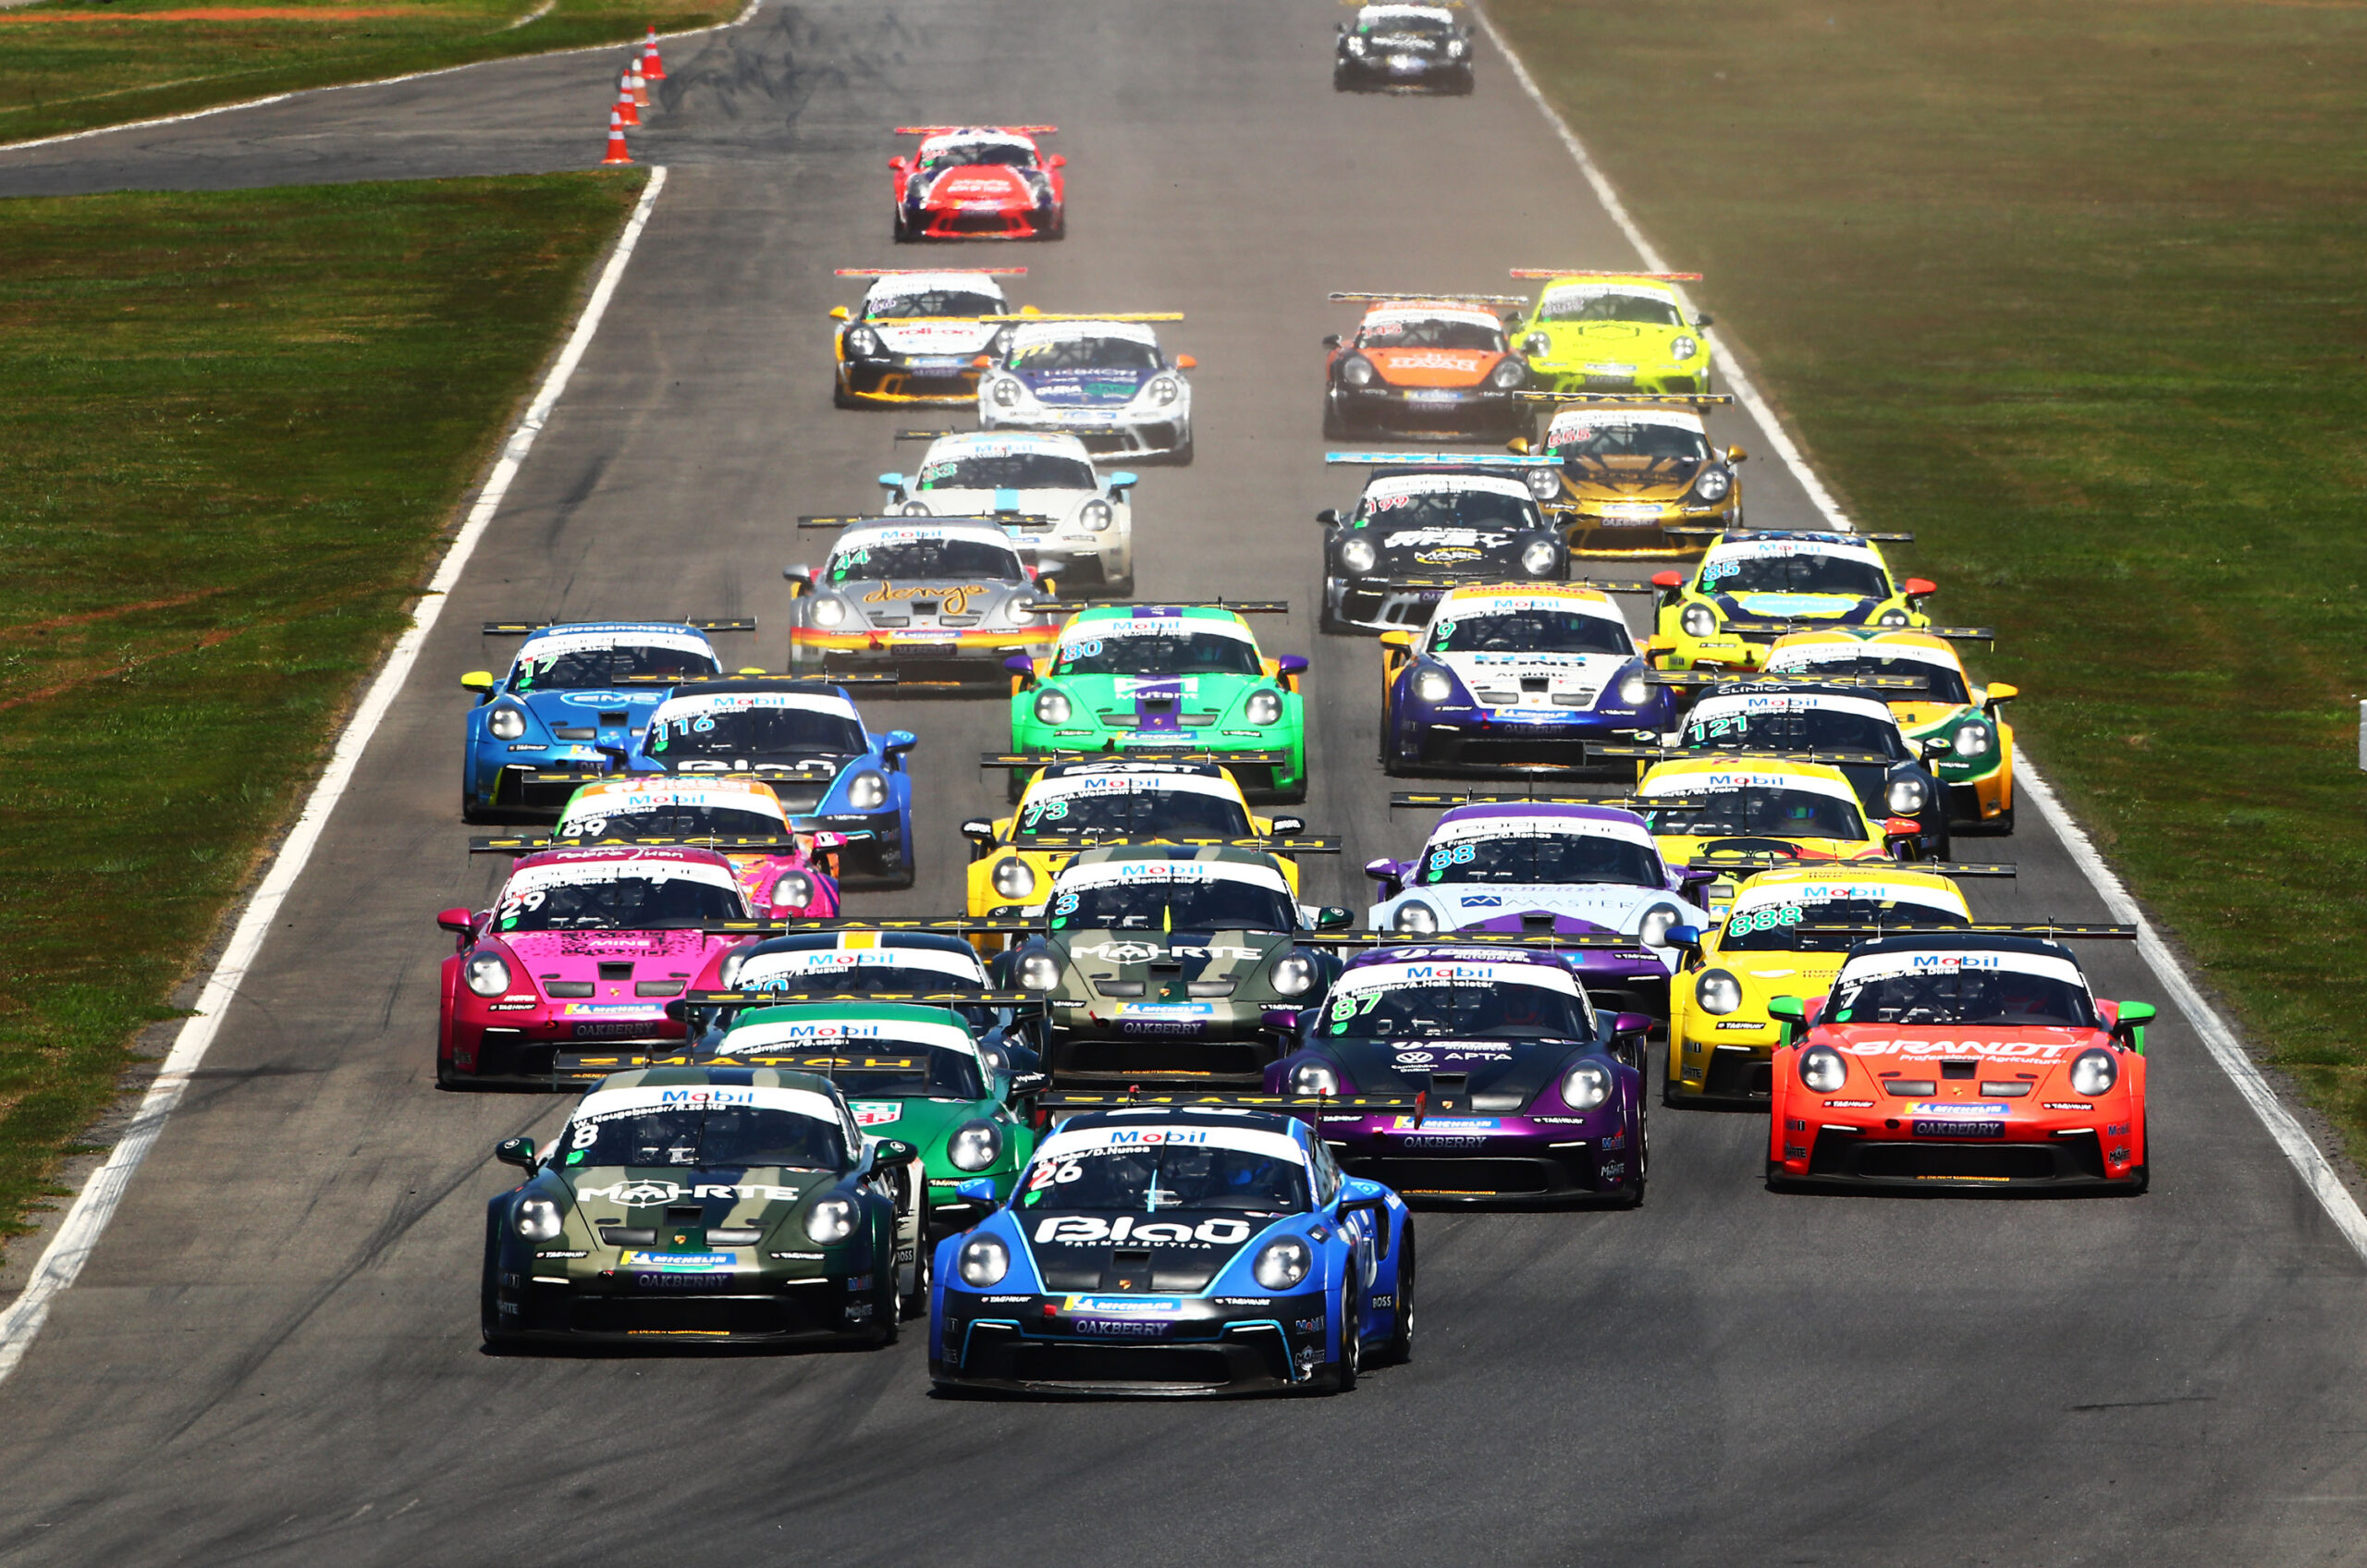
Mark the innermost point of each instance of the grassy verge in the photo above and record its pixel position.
(2071, 288)
(237, 424)
(70, 64)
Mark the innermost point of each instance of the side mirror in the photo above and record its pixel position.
(978, 830)
(1186, 362)
(892, 481)
(1021, 665)
(1121, 480)
(889, 1153)
(477, 681)
(1518, 445)
(1401, 640)
(2130, 1024)
(1056, 160)
(1686, 938)
(1736, 455)
(1668, 582)
(1332, 917)
(1385, 871)
(519, 1152)
(978, 1189)
(1790, 1017)
(1705, 319)
(457, 922)
(1288, 825)
(1328, 517)
(839, 313)
(984, 362)
(2001, 692)
(1331, 340)
(896, 164)
(800, 575)
(1281, 1020)
(1901, 828)
(1290, 665)
(1918, 587)
(896, 742)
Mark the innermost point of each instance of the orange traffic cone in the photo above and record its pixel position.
(617, 151)
(640, 87)
(624, 100)
(651, 66)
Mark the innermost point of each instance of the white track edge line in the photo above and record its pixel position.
(2309, 1161)
(7, 147)
(78, 1235)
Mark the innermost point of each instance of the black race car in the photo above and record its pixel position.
(1422, 526)
(1403, 48)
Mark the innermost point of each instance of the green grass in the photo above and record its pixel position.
(70, 64)
(2071, 288)
(236, 427)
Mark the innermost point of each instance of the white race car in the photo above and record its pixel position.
(1071, 524)
(917, 336)
(1105, 381)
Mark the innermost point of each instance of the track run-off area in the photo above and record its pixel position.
(271, 1353)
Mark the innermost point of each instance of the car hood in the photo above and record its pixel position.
(919, 1120)
(1186, 1248)
(1414, 551)
(1620, 341)
(1059, 505)
(577, 955)
(1630, 478)
(734, 1196)
(926, 600)
(1586, 906)
(1084, 387)
(962, 337)
(1506, 678)
(1493, 1068)
(1432, 367)
(1173, 957)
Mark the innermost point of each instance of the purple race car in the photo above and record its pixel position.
(1525, 1093)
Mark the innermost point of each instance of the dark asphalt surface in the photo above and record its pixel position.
(273, 1357)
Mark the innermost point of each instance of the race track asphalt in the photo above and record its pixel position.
(273, 1357)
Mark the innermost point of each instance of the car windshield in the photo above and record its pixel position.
(1775, 927)
(1586, 444)
(1431, 332)
(1960, 997)
(1941, 683)
(747, 732)
(622, 903)
(1427, 27)
(1500, 1010)
(581, 667)
(627, 819)
(972, 154)
(1389, 512)
(733, 1136)
(1530, 632)
(1202, 653)
(1798, 729)
(1763, 810)
(927, 559)
(1138, 814)
(1530, 858)
(1087, 353)
(944, 1074)
(1136, 1179)
(1640, 309)
(1218, 904)
(1802, 574)
(1009, 470)
(934, 302)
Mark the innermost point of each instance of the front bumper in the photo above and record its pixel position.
(1205, 1041)
(1668, 380)
(615, 1310)
(960, 659)
(1161, 436)
(1483, 740)
(1610, 529)
(524, 1050)
(1463, 1157)
(1475, 412)
(1055, 1344)
(973, 223)
(905, 381)
(1863, 1151)
(1367, 604)
(498, 773)
(1714, 1073)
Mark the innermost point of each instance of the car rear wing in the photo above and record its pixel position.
(1235, 607)
(1711, 530)
(991, 520)
(935, 435)
(1425, 800)
(1056, 759)
(803, 772)
(764, 997)
(1765, 860)
(1438, 460)
(1490, 578)
(1027, 318)
(534, 843)
(1695, 399)
(1277, 843)
(1347, 299)
(1784, 626)
(523, 627)
(2047, 932)
(1764, 754)
(937, 926)
(1201, 1099)
(1600, 271)
(950, 129)
(1783, 678)
(1541, 941)
(928, 271)
(883, 678)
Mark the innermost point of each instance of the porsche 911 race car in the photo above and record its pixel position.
(579, 944)
(785, 874)
(1426, 521)
(1975, 1057)
(1516, 675)
(939, 604)
(1753, 587)
(1757, 806)
(917, 335)
(560, 706)
(1721, 1036)
(1634, 468)
(1136, 679)
(1403, 48)
(1613, 332)
(708, 1204)
(1514, 865)
(1977, 768)
(979, 182)
(1522, 1091)
(1160, 963)
(1177, 1251)
(1424, 365)
(1102, 379)
(1075, 527)
(1074, 804)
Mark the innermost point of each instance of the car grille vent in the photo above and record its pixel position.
(1497, 1100)
(617, 971)
(1447, 1083)
(1210, 988)
(1958, 1069)
(568, 987)
(622, 717)
(1129, 1270)
(574, 732)
(629, 1235)
(1537, 922)
(685, 1213)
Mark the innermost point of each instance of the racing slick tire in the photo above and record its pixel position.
(1351, 1345)
(903, 227)
(916, 1303)
(1633, 1196)
(1182, 456)
(1060, 227)
(1401, 1339)
(840, 398)
(1334, 427)
(2143, 1177)
(472, 810)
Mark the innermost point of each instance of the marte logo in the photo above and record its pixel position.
(1121, 952)
(635, 1193)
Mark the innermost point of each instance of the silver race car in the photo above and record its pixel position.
(940, 602)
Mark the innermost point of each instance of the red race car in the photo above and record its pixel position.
(979, 182)
(1969, 1056)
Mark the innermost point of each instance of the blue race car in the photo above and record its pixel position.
(1189, 1248)
(559, 706)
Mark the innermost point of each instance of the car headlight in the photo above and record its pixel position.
(1356, 371)
(1893, 618)
(1586, 1085)
(506, 723)
(863, 343)
(1053, 707)
(1683, 349)
(1356, 43)
(982, 1262)
(1717, 993)
(1294, 976)
(1634, 691)
(538, 1219)
(1263, 707)
(2094, 1073)
(1509, 373)
(1544, 483)
(1096, 516)
(867, 790)
(830, 1221)
(1906, 797)
(1004, 391)
(1357, 556)
(1432, 686)
(1014, 878)
(1282, 1263)
(1162, 389)
(1714, 484)
(1538, 556)
(1536, 343)
(1418, 918)
(1457, 49)
(1698, 620)
(974, 1145)
(1973, 738)
(794, 889)
(829, 612)
(1654, 930)
(485, 972)
(915, 508)
(1823, 1069)
(1314, 1078)
(1038, 972)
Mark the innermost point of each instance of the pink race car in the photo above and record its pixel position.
(979, 182)
(580, 945)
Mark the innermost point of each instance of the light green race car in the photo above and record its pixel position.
(1613, 332)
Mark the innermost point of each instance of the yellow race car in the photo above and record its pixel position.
(1976, 770)
(1720, 1037)
(1613, 332)
(1074, 802)
(1632, 469)
(1754, 587)
(1761, 807)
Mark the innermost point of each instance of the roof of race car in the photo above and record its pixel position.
(1439, 13)
(1860, 882)
(903, 531)
(1003, 444)
(1593, 287)
(1106, 781)
(1125, 620)
(720, 698)
(1811, 648)
(612, 1098)
(1749, 701)
(1588, 415)
(1034, 333)
(1101, 765)
(768, 1027)
(1480, 821)
(1711, 774)
(1392, 311)
(1490, 598)
(770, 968)
(863, 941)
(1485, 964)
(554, 640)
(644, 791)
(607, 865)
(1382, 486)
(904, 285)
(1896, 955)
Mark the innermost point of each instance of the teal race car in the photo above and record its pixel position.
(1154, 679)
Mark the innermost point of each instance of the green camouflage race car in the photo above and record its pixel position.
(1150, 679)
(706, 1203)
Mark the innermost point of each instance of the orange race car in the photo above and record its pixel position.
(979, 182)
(1434, 365)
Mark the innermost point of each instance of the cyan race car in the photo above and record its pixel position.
(1075, 528)
(1154, 1250)
(1102, 379)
